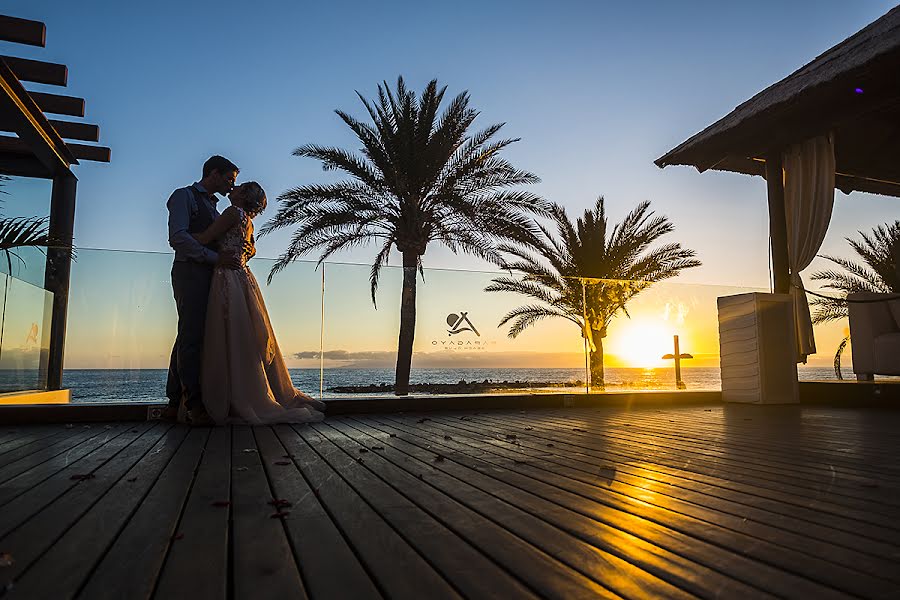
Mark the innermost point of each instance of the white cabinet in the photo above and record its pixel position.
(757, 349)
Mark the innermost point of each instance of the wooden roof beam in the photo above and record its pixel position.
(65, 129)
(60, 105)
(22, 31)
(92, 153)
(14, 146)
(37, 71)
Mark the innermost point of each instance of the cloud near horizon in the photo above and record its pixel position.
(345, 355)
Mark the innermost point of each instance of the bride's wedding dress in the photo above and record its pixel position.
(244, 377)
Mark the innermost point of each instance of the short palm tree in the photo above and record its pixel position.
(587, 274)
(879, 272)
(21, 232)
(422, 177)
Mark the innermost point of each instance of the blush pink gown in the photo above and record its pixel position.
(244, 377)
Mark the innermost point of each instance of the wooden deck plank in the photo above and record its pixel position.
(37, 474)
(49, 449)
(396, 569)
(66, 565)
(624, 563)
(775, 435)
(587, 519)
(328, 566)
(390, 491)
(769, 446)
(132, 564)
(714, 482)
(859, 501)
(701, 542)
(796, 554)
(802, 478)
(263, 564)
(30, 500)
(727, 501)
(770, 455)
(660, 485)
(542, 572)
(196, 565)
(33, 538)
(29, 442)
(695, 468)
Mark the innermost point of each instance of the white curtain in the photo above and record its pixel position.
(808, 201)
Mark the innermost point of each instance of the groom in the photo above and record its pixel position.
(191, 210)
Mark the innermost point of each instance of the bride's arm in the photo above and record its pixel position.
(223, 223)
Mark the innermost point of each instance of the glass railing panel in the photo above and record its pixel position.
(639, 346)
(120, 327)
(459, 345)
(122, 324)
(24, 342)
(294, 303)
(28, 198)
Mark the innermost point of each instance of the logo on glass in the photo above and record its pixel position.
(459, 323)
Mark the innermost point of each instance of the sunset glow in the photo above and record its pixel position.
(640, 343)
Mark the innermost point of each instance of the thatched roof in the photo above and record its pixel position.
(853, 89)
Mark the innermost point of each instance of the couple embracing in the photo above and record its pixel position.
(226, 366)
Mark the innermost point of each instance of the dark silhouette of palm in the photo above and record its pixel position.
(879, 252)
(587, 274)
(878, 272)
(422, 177)
(21, 232)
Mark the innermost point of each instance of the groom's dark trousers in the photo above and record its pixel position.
(190, 285)
(191, 210)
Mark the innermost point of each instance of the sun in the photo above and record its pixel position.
(640, 343)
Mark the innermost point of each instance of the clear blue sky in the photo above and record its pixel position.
(596, 91)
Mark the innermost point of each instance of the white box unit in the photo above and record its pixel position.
(756, 347)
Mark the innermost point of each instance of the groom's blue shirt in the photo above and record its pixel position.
(182, 205)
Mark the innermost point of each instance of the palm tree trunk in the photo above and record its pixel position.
(596, 362)
(407, 324)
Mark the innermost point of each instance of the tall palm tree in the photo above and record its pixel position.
(879, 272)
(586, 275)
(422, 177)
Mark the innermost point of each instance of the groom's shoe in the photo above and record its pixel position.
(169, 414)
(198, 417)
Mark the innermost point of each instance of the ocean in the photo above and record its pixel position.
(148, 385)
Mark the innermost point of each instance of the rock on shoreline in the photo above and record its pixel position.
(461, 387)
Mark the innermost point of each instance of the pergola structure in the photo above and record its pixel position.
(37, 149)
(851, 91)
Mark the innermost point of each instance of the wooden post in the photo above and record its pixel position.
(56, 275)
(678, 383)
(777, 224)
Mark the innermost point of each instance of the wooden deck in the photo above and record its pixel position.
(730, 502)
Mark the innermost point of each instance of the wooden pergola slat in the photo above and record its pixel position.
(37, 71)
(92, 153)
(66, 129)
(22, 31)
(59, 105)
(12, 145)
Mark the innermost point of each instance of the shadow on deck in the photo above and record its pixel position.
(733, 501)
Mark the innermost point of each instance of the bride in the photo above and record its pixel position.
(244, 377)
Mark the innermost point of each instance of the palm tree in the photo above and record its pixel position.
(20, 232)
(879, 272)
(421, 178)
(585, 276)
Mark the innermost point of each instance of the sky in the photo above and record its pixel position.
(595, 90)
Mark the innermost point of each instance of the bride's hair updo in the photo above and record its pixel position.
(255, 201)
